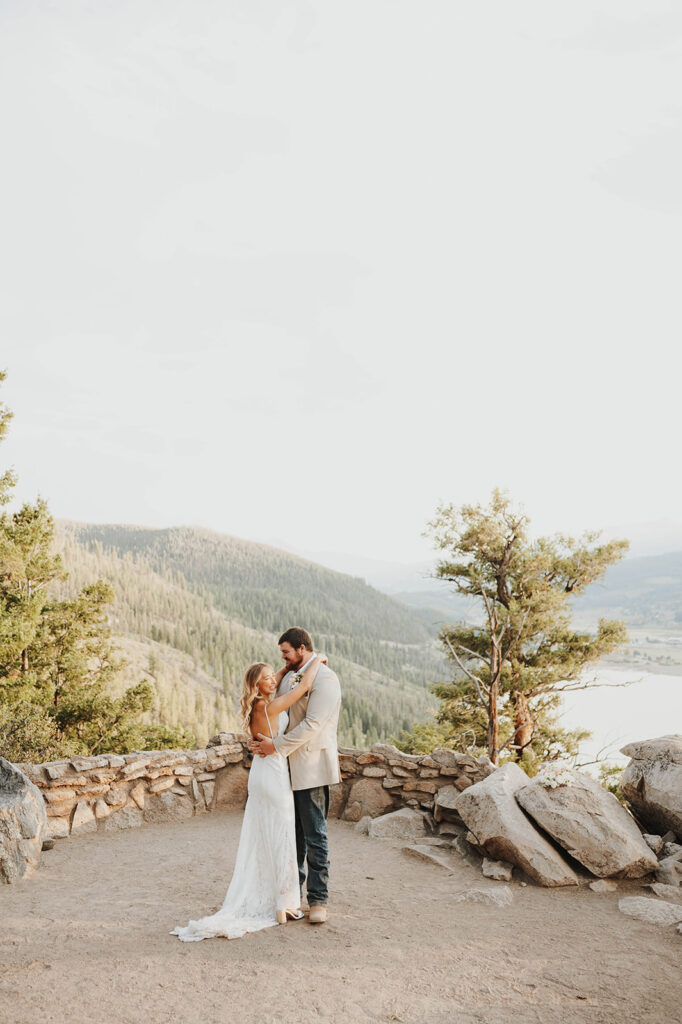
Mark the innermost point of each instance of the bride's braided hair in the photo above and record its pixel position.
(250, 693)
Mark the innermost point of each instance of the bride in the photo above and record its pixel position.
(264, 889)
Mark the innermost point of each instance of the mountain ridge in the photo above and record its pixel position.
(222, 602)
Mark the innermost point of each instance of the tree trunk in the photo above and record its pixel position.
(24, 660)
(493, 728)
(523, 724)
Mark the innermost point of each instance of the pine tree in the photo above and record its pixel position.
(513, 665)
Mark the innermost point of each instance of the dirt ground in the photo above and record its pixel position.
(86, 941)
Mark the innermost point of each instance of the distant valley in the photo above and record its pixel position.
(193, 608)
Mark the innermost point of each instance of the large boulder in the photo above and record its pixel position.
(652, 782)
(490, 811)
(23, 823)
(591, 826)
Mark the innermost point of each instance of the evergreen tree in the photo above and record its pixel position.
(511, 667)
(58, 663)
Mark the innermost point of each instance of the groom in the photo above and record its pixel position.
(310, 744)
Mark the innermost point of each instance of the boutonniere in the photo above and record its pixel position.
(297, 678)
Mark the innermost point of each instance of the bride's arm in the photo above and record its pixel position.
(300, 690)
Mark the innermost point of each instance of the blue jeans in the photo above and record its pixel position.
(312, 808)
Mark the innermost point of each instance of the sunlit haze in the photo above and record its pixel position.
(298, 272)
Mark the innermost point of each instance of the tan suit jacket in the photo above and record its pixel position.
(310, 738)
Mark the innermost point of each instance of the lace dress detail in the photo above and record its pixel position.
(265, 876)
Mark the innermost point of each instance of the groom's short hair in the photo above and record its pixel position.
(297, 637)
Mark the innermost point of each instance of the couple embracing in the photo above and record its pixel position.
(292, 718)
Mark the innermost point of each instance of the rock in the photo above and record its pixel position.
(162, 784)
(666, 892)
(419, 786)
(451, 829)
(670, 849)
(497, 869)
(134, 766)
(446, 758)
(403, 824)
(370, 758)
(387, 750)
(167, 806)
(362, 826)
(231, 789)
(651, 911)
(59, 828)
(669, 837)
(126, 817)
(670, 870)
(462, 783)
(603, 885)
(429, 822)
(60, 796)
(472, 855)
(490, 810)
(137, 793)
(392, 784)
(116, 796)
(367, 796)
(500, 896)
(48, 844)
(591, 825)
(446, 798)
(654, 843)
(652, 782)
(83, 819)
(208, 790)
(102, 809)
(439, 856)
(374, 772)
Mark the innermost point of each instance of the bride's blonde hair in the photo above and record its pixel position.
(250, 693)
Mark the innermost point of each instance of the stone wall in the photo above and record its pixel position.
(114, 791)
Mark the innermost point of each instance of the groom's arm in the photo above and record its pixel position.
(324, 696)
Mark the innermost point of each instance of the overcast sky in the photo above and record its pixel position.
(299, 271)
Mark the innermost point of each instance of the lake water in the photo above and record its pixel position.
(651, 706)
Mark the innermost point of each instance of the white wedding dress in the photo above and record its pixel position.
(265, 876)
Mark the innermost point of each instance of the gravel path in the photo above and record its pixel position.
(85, 941)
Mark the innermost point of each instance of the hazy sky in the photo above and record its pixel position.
(299, 271)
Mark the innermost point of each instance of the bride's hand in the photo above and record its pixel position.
(323, 658)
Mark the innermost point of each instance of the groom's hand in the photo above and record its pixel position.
(262, 745)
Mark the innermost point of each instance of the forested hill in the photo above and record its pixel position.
(195, 607)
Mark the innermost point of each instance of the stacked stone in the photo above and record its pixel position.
(114, 791)
(384, 779)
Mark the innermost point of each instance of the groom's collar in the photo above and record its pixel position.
(300, 671)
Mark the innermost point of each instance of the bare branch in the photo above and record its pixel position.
(474, 654)
(575, 685)
(477, 682)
